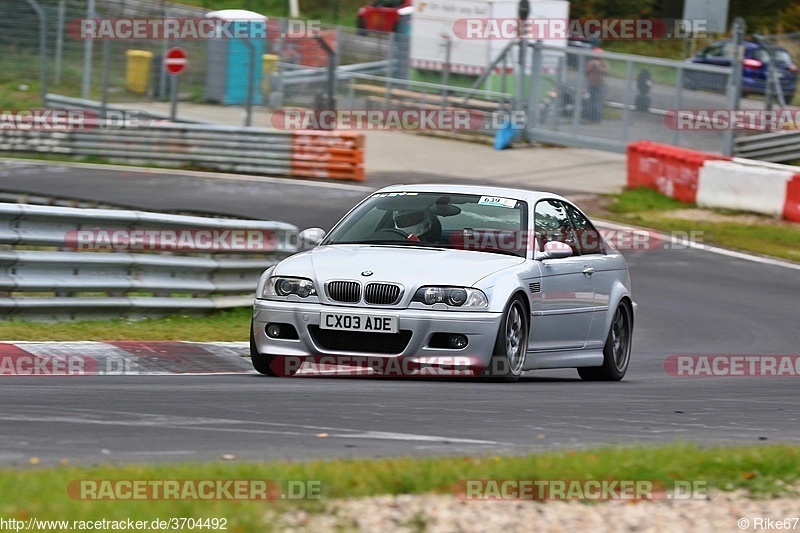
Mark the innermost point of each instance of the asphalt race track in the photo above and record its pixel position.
(690, 302)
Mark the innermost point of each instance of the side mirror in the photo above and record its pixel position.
(554, 250)
(311, 237)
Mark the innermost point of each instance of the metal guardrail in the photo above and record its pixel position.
(296, 74)
(49, 273)
(314, 154)
(59, 101)
(776, 147)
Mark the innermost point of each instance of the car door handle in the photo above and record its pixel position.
(588, 271)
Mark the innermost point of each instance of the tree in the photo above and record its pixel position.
(614, 8)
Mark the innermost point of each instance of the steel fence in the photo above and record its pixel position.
(604, 99)
(49, 272)
(563, 103)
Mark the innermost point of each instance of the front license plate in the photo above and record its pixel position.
(353, 322)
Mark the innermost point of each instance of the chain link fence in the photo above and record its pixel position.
(570, 96)
(603, 99)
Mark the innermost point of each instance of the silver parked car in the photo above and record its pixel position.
(517, 280)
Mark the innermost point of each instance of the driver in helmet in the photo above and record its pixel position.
(415, 224)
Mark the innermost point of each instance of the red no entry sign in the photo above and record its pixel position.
(175, 60)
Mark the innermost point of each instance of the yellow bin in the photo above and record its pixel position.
(137, 70)
(269, 66)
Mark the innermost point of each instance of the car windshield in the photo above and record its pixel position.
(483, 223)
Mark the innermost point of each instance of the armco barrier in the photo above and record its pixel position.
(63, 262)
(311, 154)
(668, 169)
(713, 181)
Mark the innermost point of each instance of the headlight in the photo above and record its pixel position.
(453, 296)
(281, 286)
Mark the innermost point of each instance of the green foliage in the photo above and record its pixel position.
(229, 325)
(614, 8)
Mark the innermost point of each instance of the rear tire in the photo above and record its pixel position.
(617, 351)
(361, 28)
(511, 345)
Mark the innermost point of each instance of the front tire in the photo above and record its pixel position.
(267, 364)
(511, 344)
(262, 363)
(617, 351)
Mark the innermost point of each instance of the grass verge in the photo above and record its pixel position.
(746, 232)
(229, 325)
(41, 492)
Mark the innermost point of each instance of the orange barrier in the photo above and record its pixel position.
(328, 154)
(791, 209)
(668, 169)
(299, 45)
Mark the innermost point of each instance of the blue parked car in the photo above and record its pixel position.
(754, 72)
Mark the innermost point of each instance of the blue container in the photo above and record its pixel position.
(228, 62)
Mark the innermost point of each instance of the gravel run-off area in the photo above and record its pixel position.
(437, 513)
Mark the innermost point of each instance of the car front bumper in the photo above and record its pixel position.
(479, 327)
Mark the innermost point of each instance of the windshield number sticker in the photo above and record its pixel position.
(497, 201)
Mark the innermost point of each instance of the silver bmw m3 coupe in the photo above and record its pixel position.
(507, 280)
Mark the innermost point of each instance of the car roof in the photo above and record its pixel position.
(483, 190)
(747, 44)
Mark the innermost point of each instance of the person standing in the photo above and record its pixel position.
(595, 70)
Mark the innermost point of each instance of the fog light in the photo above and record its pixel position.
(273, 331)
(457, 342)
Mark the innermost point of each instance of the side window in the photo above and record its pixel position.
(588, 238)
(715, 50)
(551, 223)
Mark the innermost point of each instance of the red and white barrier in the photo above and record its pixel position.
(715, 181)
(791, 210)
(668, 169)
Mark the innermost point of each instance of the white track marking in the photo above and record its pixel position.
(225, 426)
(385, 435)
(703, 247)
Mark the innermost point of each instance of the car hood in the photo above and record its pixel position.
(409, 266)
